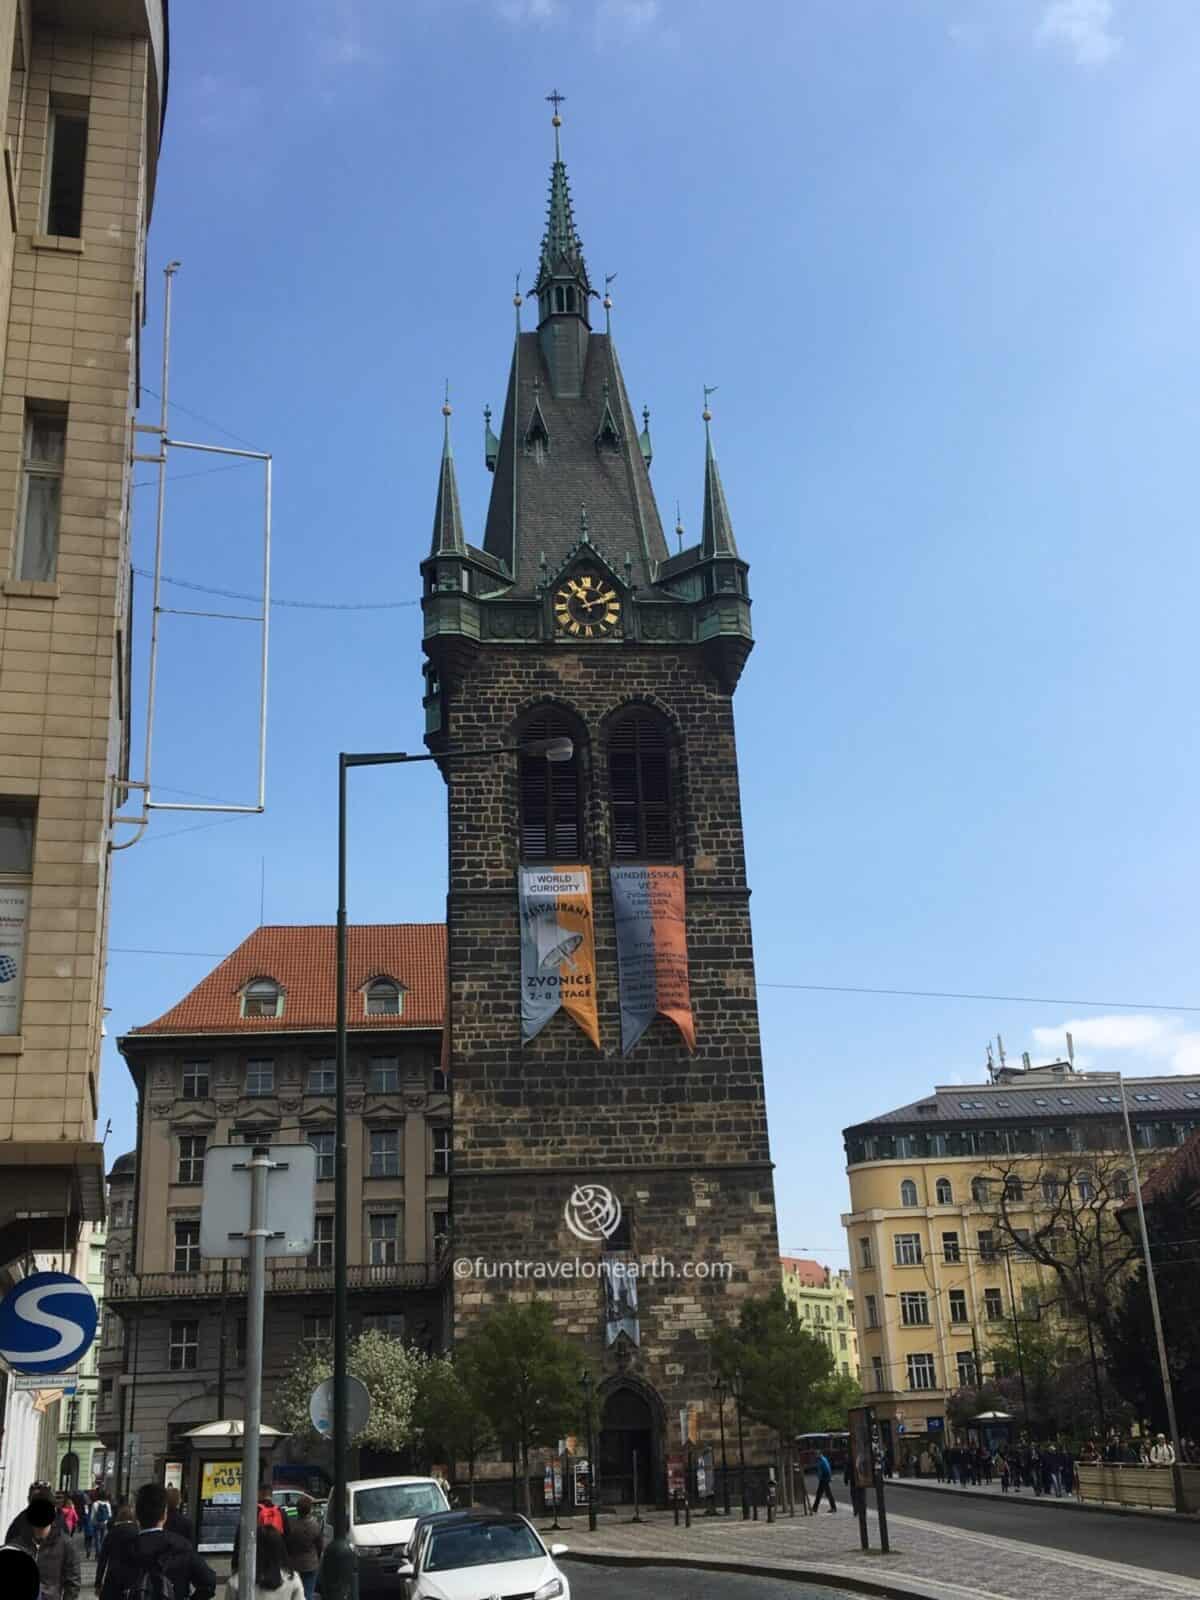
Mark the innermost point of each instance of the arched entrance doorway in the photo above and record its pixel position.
(628, 1443)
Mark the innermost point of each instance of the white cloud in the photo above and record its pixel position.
(1083, 28)
(1135, 1043)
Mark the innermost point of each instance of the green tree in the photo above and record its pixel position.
(523, 1377)
(832, 1401)
(391, 1372)
(781, 1370)
(1173, 1223)
(449, 1419)
(1060, 1389)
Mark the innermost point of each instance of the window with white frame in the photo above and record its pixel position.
(1031, 1303)
(908, 1249)
(262, 997)
(1021, 1243)
(967, 1377)
(322, 1078)
(981, 1191)
(384, 998)
(187, 1244)
(1085, 1188)
(872, 1310)
(183, 1347)
(866, 1256)
(322, 1251)
(1014, 1189)
(389, 1323)
(440, 1227)
(958, 1305)
(950, 1247)
(922, 1373)
(877, 1374)
(993, 1305)
(16, 877)
(317, 1328)
(260, 1077)
(908, 1193)
(441, 1152)
(41, 494)
(62, 213)
(195, 1080)
(945, 1192)
(323, 1141)
(191, 1158)
(384, 1153)
(1051, 1189)
(383, 1075)
(383, 1233)
(987, 1245)
(914, 1308)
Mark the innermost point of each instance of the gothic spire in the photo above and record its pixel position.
(717, 537)
(562, 250)
(448, 537)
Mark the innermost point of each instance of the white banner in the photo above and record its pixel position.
(14, 914)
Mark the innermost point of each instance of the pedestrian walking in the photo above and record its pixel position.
(274, 1576)
(178, 1522)
(101, 1517)
(305, 1538)
(145, 1550)
(1004, 1473)
(39, 1532)
(824, 1483)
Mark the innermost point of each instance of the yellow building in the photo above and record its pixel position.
(824, 1301)
(82, 87)
(938, 1277)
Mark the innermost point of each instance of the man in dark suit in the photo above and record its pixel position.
(148, 1547)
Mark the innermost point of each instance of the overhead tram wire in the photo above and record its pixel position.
(302, 605)
(1008, 999)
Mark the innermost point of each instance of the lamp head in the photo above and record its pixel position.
(557, 749)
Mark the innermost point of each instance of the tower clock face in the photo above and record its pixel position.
(586, 607)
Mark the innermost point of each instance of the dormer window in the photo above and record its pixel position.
(384, 998)
(262, 997)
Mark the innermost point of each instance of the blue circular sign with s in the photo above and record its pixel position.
(47, 1322)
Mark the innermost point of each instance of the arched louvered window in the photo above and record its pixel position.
(639, 775)
(551, 821)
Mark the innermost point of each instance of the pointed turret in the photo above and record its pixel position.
(448, 537)
(563, 288)
(717, 537)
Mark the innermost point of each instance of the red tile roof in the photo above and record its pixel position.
(301, 960)
(810, 1273)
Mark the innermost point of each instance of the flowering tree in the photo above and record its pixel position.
(391, 1372)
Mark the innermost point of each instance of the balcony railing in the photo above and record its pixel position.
(283, 1277)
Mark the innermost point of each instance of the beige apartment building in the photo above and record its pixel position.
(85, 85)
(937, 1280)
(824, 1301)
(248, 1057)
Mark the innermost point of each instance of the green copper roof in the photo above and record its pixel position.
(562, 251)
(448, 537)
(717, 538)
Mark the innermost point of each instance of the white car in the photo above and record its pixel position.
(383, 1514)
(481, 1555)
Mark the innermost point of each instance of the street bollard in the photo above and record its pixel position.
(754, 1510)
(675, 1505)
(771, 1502)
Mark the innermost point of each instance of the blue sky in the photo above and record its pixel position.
(941, 258)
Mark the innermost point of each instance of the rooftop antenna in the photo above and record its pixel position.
(107, 1131)
(1070, 1049)
(991, 1065)
(1025, 1061)
(679, 526)
(1000, 1049)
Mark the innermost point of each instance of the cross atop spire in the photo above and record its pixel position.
(556, 100)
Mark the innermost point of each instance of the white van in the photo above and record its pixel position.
(383, 1512)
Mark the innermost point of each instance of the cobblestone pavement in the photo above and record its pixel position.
(938, 1563)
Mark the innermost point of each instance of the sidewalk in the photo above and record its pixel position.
(1026, 1496)
(927, 1561)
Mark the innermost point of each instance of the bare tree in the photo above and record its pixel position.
(1059, 1210)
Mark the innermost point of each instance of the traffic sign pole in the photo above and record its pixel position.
(260, 1165)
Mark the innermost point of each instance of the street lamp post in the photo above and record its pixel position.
(720, 1389)
(339, 1579)
(1012, 1301)
(737, 1397)
(586, 1384)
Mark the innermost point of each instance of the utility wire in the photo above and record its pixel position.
(178, 477)
(200, 417)
(304, 605)
(1010, 999)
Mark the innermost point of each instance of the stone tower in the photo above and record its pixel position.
(573, 620)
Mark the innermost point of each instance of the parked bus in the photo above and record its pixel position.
(811, 1445)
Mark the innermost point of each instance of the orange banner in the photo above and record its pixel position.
(648, 905)
(558, 948)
